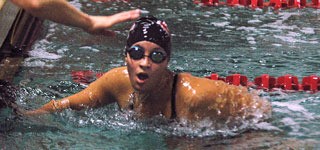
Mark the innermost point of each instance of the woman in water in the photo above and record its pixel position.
(146, 85)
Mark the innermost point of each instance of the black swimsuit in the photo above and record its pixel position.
(173, 97)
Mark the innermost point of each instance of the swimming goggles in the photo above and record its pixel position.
(137, 53)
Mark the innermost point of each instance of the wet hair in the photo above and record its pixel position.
(7, 94)
(150, 29)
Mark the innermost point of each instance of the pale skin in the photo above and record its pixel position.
(61, 11)
(196, 98)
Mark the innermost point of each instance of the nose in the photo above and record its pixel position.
(145, 62)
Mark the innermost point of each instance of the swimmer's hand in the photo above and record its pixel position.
(35, 116)
(101, 24)
(50, 107)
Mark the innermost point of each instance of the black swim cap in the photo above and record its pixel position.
(150, 29)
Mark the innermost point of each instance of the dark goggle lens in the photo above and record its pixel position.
(157, 57)
(137, 53)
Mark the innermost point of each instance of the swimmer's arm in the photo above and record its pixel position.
(223, 100)
(61, 11)
(98, 93)
(52, 106)
(101, 92)
(78, 101)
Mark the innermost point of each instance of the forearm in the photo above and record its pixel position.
(76, 102)
(98, 93)
(59, 11)
(52, 106)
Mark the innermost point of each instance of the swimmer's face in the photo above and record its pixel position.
(146, 71)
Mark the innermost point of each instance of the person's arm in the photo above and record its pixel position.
(219, 100)
(103, 91)
(61, 11)
(89, 97)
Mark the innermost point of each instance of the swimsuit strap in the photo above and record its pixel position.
(173, 97)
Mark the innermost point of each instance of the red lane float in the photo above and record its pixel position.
(276, 4)
(288, 82)
(85, 76)
(109, 0)
(311, 83)
(265, 81)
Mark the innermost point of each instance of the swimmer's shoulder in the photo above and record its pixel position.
(192, 89)
(186, 80)
(189, 87)
(190, 96)
(116, 73)
(114, 78)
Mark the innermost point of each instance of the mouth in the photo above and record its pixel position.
(142, 76)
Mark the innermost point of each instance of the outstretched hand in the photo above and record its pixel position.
(101, 24)
(18, 110)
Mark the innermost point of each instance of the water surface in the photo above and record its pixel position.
(224, 40)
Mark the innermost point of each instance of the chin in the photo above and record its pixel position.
(141, 89)
(137, 87)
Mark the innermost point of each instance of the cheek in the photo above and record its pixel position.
(160, 70)
(126, 59)
(129, 62)
(164, 65)
(131, 67)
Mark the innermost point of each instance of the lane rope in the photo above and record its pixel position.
(276, 4)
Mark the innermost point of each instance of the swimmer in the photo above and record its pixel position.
(147, 87)
(61, 11)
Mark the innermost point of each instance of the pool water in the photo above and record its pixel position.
(223, 40)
